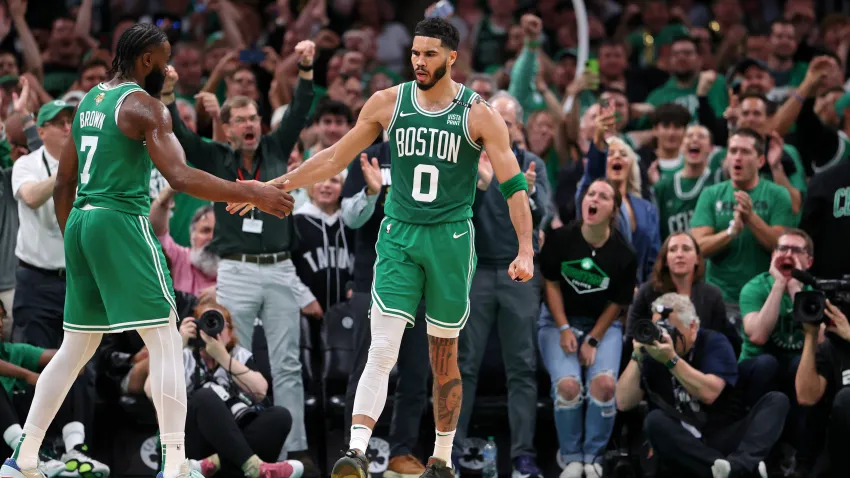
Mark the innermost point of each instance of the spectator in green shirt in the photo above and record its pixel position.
(738, 221)
(685, 65)
(773, 340)
(786, 72)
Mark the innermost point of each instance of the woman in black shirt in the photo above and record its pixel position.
(589, 271)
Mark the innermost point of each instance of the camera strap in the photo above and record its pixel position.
(699, 419)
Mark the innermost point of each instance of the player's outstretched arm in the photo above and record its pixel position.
(168, 157)
(491, 128)
(65, 190)
(331, 161)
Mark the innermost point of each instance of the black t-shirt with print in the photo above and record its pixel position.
(590, 278)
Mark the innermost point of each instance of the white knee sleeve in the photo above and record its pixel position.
(168, 383)
(372, 388)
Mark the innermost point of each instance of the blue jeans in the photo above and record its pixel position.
(584, 415)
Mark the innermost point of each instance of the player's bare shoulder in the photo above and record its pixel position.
(141, 113)
(379, 107)
(484, 121)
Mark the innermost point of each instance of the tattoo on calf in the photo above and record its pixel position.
(447, 389)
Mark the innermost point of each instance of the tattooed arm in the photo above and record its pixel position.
(447, 392)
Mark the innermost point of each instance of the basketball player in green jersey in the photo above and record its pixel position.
(117, 279)
(436, 130)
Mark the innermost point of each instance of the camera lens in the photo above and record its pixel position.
(645, 331)
(211, 322)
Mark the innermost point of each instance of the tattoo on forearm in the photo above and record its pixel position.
(447, 390)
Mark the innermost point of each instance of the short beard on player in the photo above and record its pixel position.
(204, 260)
(154, 82)
(439, 73)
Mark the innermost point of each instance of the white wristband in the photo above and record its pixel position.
(730, 231)
(564, 327)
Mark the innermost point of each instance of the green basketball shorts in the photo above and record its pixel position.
(437, 260)
(116, 274)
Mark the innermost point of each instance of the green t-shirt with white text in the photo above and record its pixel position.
(744, 257)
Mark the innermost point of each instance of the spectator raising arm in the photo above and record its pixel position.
(32, 56)
(160, 207)
(295, 117)
(194, 146)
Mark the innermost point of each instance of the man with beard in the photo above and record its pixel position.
(194, 268)
(676, 195)
(681, 88)
(437, 129)
(116, 274)
(256, 276)
(786, 72)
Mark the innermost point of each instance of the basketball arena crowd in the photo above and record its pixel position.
(710, 135)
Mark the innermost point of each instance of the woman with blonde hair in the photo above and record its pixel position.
(611, 158)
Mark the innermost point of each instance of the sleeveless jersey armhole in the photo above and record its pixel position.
(466, 125)
(396, 108)
(121, 101)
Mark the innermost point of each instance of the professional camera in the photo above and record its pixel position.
(242, 408)
(647, 332)
(211, 323)
(810, 304)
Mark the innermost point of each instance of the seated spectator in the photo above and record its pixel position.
(227, 427)
(773, 340)
(589, 271)
(822, 380)
(696, 425)
(193, 268)
(20, 365)
(736, 222)
(610, 157)
(680, 268)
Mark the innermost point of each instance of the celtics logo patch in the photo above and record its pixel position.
(584, 276)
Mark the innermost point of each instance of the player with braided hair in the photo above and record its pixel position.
(117, 278)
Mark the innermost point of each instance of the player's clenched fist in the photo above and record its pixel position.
(522, 268)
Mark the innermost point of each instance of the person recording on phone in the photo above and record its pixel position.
(696, 426)
(227, 427)
(823, 376)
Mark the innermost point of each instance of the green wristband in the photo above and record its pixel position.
(511, 186)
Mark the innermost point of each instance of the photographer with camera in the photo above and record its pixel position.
(696, 426)
(822, 379)
(226, 426)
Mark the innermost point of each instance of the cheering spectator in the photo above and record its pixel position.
(614, 160)
(677, 195)
(589, 271)
(322, 258)
(737, 222)
(256, 276)
(668, 128)
(696, 426)
(786, 72)
(193, 269)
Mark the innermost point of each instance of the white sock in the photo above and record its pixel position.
(73, 434)
(443, 446)
(26, 455)
(172, 448)
(12, 435)
(360, 435)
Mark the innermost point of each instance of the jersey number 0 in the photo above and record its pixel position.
(433, 174)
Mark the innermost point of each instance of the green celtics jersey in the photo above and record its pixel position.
(434, 160)
(114, 170)
(677, 197)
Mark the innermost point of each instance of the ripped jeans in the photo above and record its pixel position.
(578, 412)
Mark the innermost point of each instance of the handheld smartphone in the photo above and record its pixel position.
(442, 9)
(200, 5)
(592, 65)
(252, 56)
